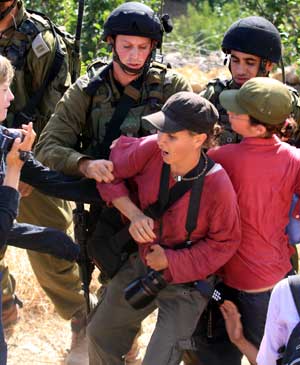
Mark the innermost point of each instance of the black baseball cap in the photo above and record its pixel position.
(185, 111)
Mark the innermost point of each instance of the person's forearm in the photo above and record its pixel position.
(127, 207)
(248, 349)
(12, 177)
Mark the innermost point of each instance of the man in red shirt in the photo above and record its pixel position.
(166, 245)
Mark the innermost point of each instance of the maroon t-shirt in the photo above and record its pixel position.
(265, 173)
(217, 234)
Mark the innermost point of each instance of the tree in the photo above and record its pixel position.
(284, 14)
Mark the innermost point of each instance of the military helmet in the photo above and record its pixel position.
(254, 35)
(134, 18)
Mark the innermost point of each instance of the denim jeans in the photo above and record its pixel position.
(213, 344)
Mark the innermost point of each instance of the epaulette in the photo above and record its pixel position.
(159, 65)
(33, 25)
(97, 76)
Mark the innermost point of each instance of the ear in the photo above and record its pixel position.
(199, 139)
(110, 41)
(269, 66)
(260, 130)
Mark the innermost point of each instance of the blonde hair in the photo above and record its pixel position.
(6, 70)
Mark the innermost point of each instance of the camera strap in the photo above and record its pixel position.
(167, 197)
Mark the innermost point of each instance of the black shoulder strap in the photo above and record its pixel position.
(167, 197)
(294, 282)
(127, 101)
(195, 200)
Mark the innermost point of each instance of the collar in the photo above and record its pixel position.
(261, 141)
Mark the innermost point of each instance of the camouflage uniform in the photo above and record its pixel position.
(30, 45)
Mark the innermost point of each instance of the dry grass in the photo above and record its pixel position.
(199, 79)
(41, 336)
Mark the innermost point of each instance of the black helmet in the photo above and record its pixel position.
(254, 35)
(134, 18)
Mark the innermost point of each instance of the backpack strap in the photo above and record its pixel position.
(294, 282)
(27, 113)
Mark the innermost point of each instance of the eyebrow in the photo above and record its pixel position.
(246, 59)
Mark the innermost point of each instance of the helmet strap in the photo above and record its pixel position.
(4, 13)
(262, 69)
(227, 60)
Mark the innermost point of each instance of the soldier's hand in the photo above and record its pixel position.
(156, 258)
(24, 189)
(99, 170)
(141, 228)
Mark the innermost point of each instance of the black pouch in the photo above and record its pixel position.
(110, 244)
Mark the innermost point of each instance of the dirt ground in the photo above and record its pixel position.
(41, 336)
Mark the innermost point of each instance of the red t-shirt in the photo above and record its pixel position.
(217, 234)
(265, 173)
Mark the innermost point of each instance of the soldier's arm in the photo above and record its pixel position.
(60, 137)
(39, 65)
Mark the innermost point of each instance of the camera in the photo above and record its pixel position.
(141, 291)
(7, 137)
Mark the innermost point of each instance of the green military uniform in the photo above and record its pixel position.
(30, 45)
(79, 112)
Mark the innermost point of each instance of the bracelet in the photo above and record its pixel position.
(25, 155)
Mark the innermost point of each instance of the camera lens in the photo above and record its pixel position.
(142, 291)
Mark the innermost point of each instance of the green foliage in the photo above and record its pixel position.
(64, 13)
(285, 15)
(201, 31)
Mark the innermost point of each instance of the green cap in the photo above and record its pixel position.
(265, 99)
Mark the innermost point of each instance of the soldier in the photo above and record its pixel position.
(252, 46)
(39, 57)
(111, 99)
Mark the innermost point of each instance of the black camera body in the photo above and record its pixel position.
(141, 291)
(7, 138)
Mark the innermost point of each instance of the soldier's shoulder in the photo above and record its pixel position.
(219, 84)
(39, 32)
(34, 23)
(95, 76)
(214, 87)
